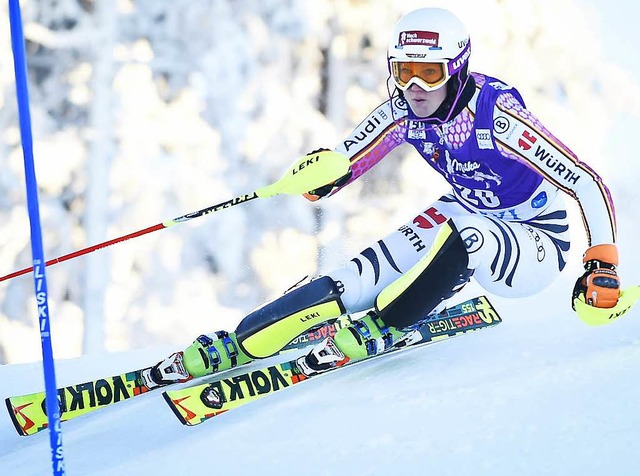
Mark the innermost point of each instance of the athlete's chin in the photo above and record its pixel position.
(421, 108)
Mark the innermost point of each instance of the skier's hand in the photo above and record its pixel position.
(325, 190)
(600, 284)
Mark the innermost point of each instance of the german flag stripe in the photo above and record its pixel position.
(568, 191)
(561, 148)
(364, 152)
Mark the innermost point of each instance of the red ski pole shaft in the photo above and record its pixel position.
(205, 211)
(307, 173)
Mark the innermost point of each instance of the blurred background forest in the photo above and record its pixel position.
(144, 110)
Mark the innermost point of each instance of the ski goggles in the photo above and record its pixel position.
(428, 76)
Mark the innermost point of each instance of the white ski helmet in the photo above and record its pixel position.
(427, 36)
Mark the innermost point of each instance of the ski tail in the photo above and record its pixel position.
(28, 413)
(195, 404)
(175, 408)
(23, 427)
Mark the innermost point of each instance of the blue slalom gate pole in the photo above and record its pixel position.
(40, 280)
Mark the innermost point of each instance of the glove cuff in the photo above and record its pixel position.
(599, 256)
(311, 197)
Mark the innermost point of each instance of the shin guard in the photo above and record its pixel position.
(436, 277)
(268, 329)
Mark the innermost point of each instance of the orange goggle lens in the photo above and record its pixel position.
(433, 74)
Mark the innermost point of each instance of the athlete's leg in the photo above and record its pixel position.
(351, 288)
(507, 258)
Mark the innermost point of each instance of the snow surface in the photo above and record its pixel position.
(540, 394)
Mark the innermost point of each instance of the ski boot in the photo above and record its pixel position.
(208, 354)
(363, 338)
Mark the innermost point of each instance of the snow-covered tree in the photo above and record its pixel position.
(144, 110)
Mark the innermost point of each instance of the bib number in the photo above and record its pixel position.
(478, 198)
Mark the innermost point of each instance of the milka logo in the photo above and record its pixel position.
(455, 167)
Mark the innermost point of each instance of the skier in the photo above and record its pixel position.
(504, 221)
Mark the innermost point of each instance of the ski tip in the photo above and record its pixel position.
(174, 408)
(14, 419)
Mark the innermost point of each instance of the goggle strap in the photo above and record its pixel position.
(457, 63)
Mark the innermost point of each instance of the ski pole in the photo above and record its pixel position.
(597, 316)
(307, 173)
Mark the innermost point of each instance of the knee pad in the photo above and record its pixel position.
(436, 277)
(268, 329)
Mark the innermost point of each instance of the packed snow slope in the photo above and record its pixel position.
(540, 394)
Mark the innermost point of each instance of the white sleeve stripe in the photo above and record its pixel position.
(536, 149)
